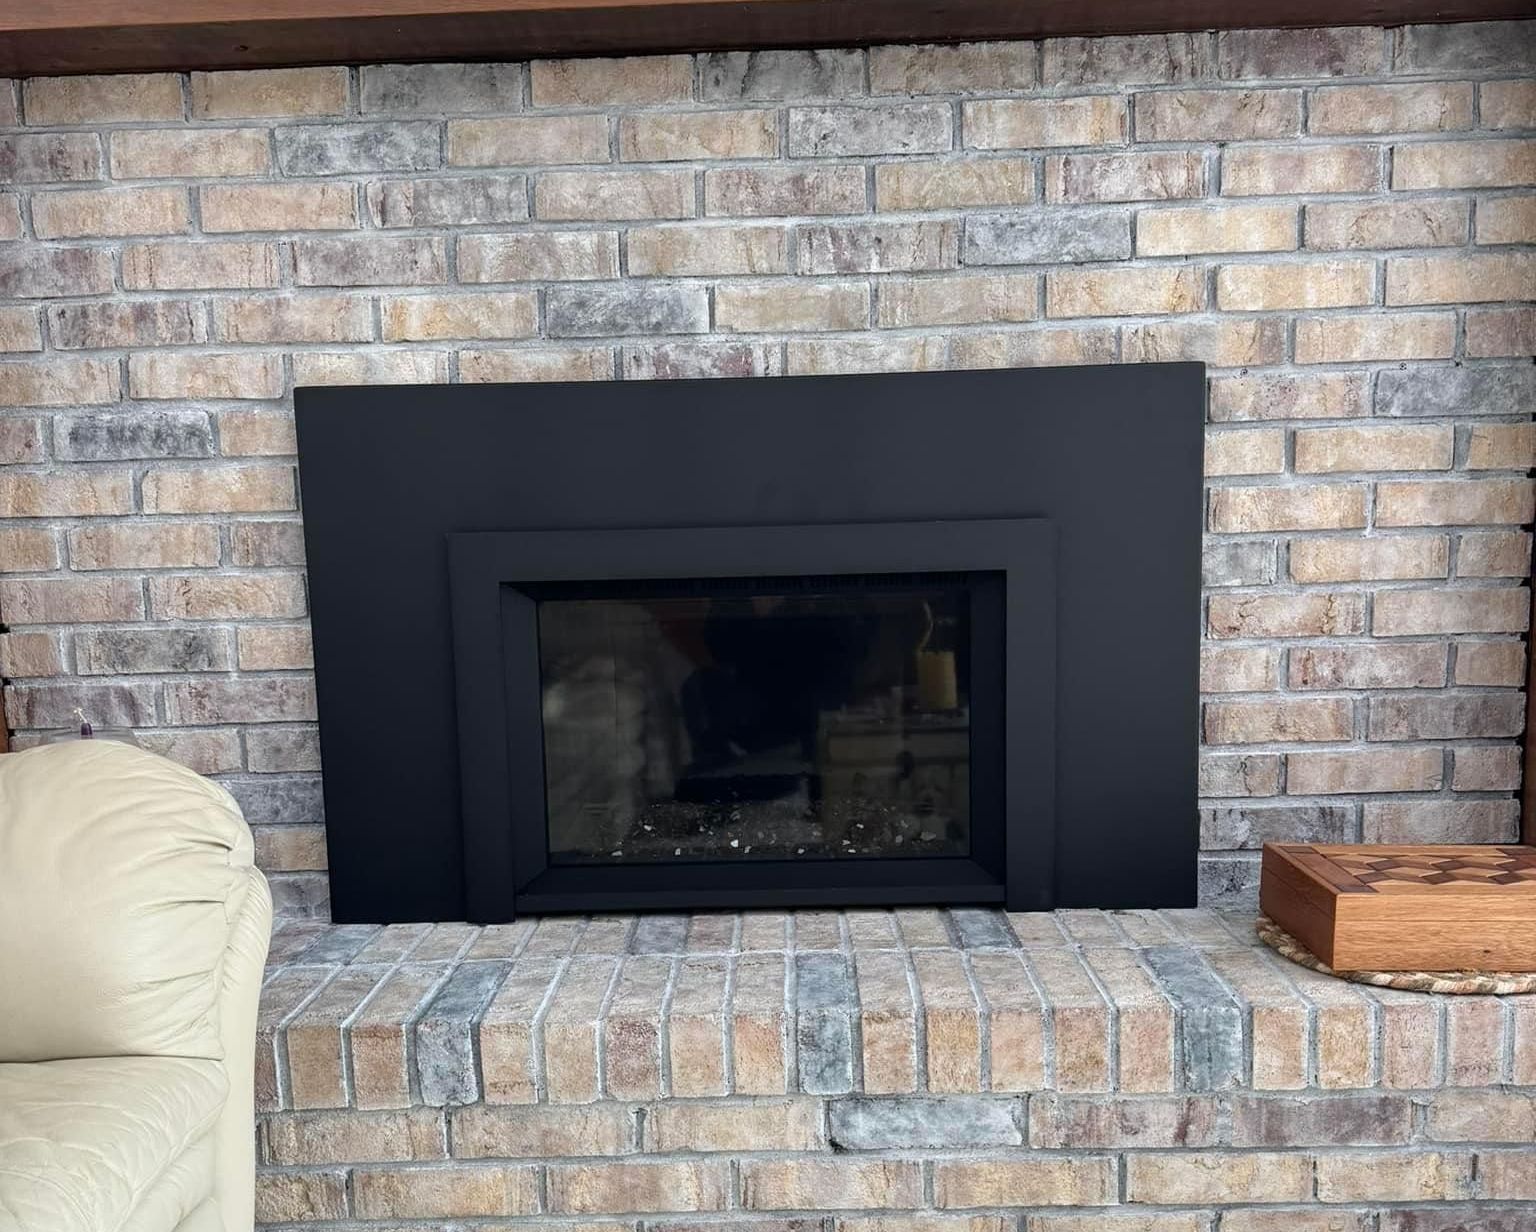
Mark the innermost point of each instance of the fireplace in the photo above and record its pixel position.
(829, 641)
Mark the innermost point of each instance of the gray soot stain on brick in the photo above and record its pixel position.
(660, 934)
(949, 1122)
(120, 437)
(335, 149)
(978, 929)
(445, 1034)
(825, 1007)
(1047, 237)
(764, 76)
(1502, 390)
(1212, 1017)
(279, 799)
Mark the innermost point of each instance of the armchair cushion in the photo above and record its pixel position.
(107, 1143)
(123, 876)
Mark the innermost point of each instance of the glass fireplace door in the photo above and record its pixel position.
(730, 720)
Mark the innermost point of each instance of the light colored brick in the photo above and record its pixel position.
(70, 600)
(823, 1184)
(21, 439)
(778, 1125)
(587, 195)
(27, 549)
(1507, 220)
(20, 330)
(159, 545)
(293, 318)
(1252, 451)
(680, 136)
(1443, 716)
(1271, 615)
(1263, 171)
(1508, 104)
(964, 300)
(265, 648)
(1400, 613)
(246, 489)
(110, 211)
(417, 318)
(1391, 224)
(1191, 1177)
(1085, 1181)
(1364, 770)
(290, 849)
(1500, 332)
(458, 201)
(1027, 124)
(527, 141)
(1461, 279)
(555, 256)
(273, 92)
(1494, 554)
(226, 597)
(692, 250)
(1319, 284)
(1416, 107)
(370, 367)
(537, 364)
(284, 1196)
(791, 306)
(225, 375)
(25, 655)
(1507, 447)
(1490, 768)
(444, 1192)
(1385, 448)
(1490, 663)
(278, 207)
(486, 1132)
(1238, 669)
(938, 185)
(957, 68)
(598, 82)
(911, 128)
(1415, 665)
(1027, 348)
(1375, 336)
(58, 382)
(767, 191)
(116, 99)
(81, 493)
(1223, 343)
(1318, 507)
(1238, 775)
(839, 355)
(162, 152)
(1217, 115)
(1292, 721)
(1354, 560)
(1417, 1177)
(1472, 502)
(595, 1189)
(1160, 175)
(199, 266)
(1504, 163)
(1124, 292)
(1178, 230)
(245, 432)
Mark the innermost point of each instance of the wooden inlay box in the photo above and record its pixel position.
(1419, 908)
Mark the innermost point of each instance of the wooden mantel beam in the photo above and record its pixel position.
(90, 36)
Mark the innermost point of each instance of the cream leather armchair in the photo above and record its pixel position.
(133, 932)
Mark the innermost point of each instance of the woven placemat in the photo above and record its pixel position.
(1484, 983)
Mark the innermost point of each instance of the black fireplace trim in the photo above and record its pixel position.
(1111, 455)
(501, 754)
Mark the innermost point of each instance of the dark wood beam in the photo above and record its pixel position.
(89, 36)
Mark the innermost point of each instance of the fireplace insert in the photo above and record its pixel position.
(732, 643)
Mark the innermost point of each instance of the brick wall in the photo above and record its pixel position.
(1338, 222)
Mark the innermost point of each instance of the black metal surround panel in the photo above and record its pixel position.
(501, 729)
(1110, 455)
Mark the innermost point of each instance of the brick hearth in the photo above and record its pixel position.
(916, 1070)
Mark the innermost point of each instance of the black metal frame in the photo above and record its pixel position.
(496, 667)
(1110, 455)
